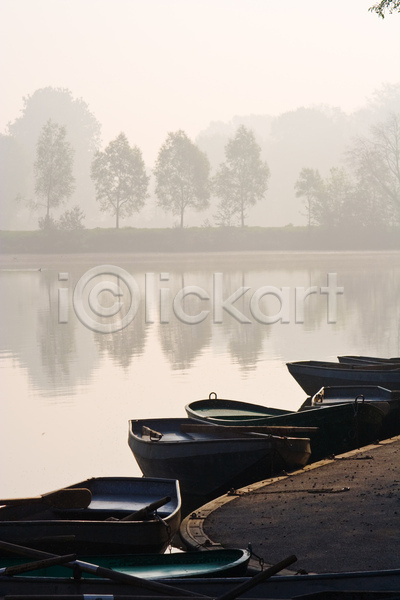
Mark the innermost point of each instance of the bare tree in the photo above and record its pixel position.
(376, 160)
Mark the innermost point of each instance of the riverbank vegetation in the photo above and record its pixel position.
(200, 239)
(313, 166)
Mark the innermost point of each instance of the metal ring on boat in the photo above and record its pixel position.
(212, 396)
(355, 407)
(359, 397)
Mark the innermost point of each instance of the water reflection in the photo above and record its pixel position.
(124, 345)
(68, 392)
(183, 342)
(60, 357)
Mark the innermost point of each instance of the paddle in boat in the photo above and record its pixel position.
(106, 582)
(109, 583)
(126, 515)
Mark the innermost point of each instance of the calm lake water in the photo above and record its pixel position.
(68, 390)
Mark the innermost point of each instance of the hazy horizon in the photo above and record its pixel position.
(147, 68)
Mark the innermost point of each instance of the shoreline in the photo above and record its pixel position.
(200, 240)
(9, 260)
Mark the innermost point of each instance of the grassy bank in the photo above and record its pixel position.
(198, 239)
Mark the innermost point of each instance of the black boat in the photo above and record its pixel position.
(209, 460)
(355, 360)
(386, 400)
(101, 528)
(333, 429)
(362, 585)
(312, 375)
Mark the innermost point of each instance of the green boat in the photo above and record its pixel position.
(226, 562)
(231, 412)
(341, 427)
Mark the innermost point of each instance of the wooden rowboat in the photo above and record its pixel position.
(332, 429)
(69, 588)
(312, 375)
(106, 526)
(346, 586)
(225, 562)
(386, 400)
(354, 360)
(377, 395)
(208, 463)
(231, 412)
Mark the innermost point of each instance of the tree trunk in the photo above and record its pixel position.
(182, 216)
(117, 208)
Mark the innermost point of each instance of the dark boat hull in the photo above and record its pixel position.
(278, 586)
(222, 562)
(209, 465)
(387, 400)
(355, 360)
(341, 427)
(85, 531)
(313, 375)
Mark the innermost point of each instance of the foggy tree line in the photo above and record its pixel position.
(367, 194)
(182, 174)
(227, 168)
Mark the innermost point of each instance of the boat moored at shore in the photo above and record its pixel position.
(210, 462)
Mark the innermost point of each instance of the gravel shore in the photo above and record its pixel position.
(341, 514)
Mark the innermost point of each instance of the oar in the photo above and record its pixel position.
(111, 596)
(247, 585)
(65, 498)
(239, 430)
(84, 597)
(145, 512)
(37, 564)
(86, 567)
(79, 597)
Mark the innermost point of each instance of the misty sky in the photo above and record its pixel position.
(147, 67)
